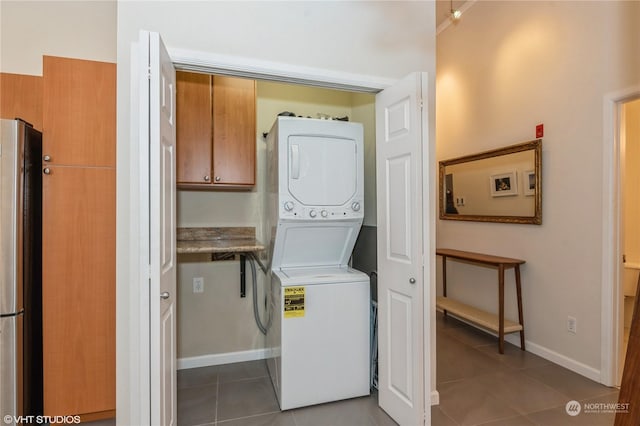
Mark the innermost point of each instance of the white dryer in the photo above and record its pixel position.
(315, 172)
(319, 338)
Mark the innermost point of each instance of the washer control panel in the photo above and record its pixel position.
(291, 210)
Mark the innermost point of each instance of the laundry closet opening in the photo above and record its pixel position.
(222, 186)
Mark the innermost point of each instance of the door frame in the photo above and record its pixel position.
(612, 289)
(190, 60)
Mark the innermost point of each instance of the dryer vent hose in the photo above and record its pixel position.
(256, 313)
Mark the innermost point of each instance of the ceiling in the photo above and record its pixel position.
(443, 9)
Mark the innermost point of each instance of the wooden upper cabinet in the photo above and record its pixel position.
(79, 106)
(21, 97)
(234, 131)
(216, 131)
(193, 128)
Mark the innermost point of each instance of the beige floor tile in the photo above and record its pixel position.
(197, 405)
(248, 397)
(572, 385)
(468, 403)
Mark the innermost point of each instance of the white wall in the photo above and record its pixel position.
(383, 39)
(72, 29)
(505, 67)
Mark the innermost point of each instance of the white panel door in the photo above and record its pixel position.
(160, 81)
(400, 140)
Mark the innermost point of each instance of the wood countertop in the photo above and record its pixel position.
(218, 240)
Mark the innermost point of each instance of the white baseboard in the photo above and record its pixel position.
(435, 397)
(218, 359)
(546, 353)
(556, 358)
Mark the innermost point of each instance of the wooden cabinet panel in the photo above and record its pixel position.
(216, 132)
(79, 290)
(234, 130)
(21, 97)
(79, 134)
(79, 127)
(193, 127)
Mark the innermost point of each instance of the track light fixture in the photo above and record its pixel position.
(455, 13)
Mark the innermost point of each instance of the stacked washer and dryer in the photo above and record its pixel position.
(319, 337)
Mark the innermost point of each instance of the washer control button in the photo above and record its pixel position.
(288, 206)
(313, 213)
(355, 206)
(324, 213)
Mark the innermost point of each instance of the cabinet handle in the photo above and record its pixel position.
(164, 295)
(47, 158)
(217, 178)
(46, 171)
(207, 178)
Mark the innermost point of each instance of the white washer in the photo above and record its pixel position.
(319, 335)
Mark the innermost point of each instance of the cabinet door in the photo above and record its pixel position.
(193, 128)
(79, 290)
(21, 97)
(79, 126)
(234, 131)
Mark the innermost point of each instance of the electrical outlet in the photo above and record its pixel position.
(572, 324)
(198, 285)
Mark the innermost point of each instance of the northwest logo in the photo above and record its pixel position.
(573, 408)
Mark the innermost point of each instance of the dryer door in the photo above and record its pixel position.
(322, 170)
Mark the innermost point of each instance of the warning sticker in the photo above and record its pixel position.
(293, 302)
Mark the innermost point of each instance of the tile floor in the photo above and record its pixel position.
(242, 395)
(477, 386)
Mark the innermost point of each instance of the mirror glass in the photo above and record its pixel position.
(501, 185)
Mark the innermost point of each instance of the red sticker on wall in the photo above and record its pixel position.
(539, 130)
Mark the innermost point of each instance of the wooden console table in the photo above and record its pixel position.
(486, 320)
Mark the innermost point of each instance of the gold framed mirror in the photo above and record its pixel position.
(502, 185)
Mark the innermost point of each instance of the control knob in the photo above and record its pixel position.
(355, 206)
(324, 213)
(313, 213)
(288, 206)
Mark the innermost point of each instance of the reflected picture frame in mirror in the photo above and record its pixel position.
(503, 185)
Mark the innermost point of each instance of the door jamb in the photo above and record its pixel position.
(611, 331)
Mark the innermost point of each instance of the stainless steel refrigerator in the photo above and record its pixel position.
(21, 272)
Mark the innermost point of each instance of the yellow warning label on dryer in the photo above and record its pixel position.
(293, 302)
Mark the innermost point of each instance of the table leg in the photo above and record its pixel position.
(501, 308)
(444, 280)
(520, 314)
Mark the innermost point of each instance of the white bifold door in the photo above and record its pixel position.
(157, 126)
(402, 179)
